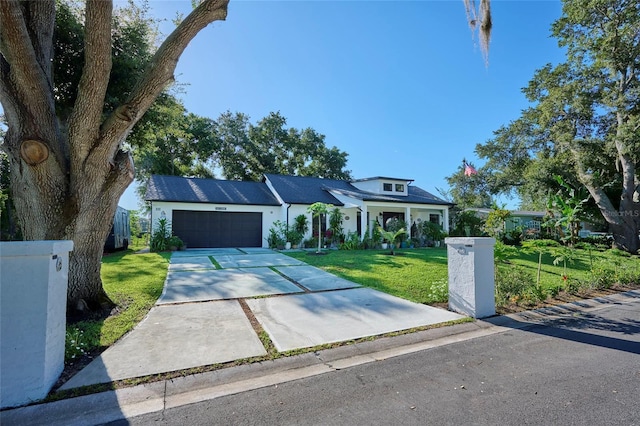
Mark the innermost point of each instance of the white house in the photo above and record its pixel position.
(223, 213)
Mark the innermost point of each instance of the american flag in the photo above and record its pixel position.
(469, 169)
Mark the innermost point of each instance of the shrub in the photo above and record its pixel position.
(160, 236)
(335, 233)
(277, 235)
(433, 230)
(351, 242)
(175, 242)
(600, 241)
(162, 239)
(512, 282)
(603, 276)
(294, 237)
(439, 291)
(301, 224)
(535, 294)
(513, 237)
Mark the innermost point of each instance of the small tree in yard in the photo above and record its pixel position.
(68, 167)
(317, 210)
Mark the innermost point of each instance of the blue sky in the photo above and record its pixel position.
(400, 86)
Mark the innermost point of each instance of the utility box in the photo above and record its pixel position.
(33, 302)
(471, 276)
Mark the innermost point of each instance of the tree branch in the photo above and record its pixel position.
(158, 74)
(24, 77)
(599, 196)
(85, 119)
(40, 29)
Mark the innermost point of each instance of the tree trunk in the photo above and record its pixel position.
(67, 174)
(89, 233)
(626, 230)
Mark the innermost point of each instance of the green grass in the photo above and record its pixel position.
(134, 282)
(419, 274)
(582, 268)
(413, 274)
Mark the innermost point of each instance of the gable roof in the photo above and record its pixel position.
(308, 190)
(305, 189)
(415, 195)
(196, 190)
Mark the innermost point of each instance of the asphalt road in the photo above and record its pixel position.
(582, 369)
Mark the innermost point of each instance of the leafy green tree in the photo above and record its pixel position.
(469, 190)
(583, 124)
(171, 141)
(496, 223)
(245, 151)
(65, 135)
(570, 209)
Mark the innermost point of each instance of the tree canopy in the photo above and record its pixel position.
(245, 151)
(72, 90)
(583, 124)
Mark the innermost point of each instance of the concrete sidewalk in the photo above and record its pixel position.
(158, 396)
(199, 320)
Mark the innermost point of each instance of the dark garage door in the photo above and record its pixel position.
(218, 229)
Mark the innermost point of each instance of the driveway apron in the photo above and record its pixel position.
(199, 320)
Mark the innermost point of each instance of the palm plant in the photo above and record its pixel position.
(392, 237)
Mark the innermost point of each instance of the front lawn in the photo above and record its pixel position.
(134, 282)
(420, 275)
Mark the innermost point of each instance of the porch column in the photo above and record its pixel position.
(407, 218)
(445, 219)
(363, 222)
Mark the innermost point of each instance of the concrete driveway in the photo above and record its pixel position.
(199, 319)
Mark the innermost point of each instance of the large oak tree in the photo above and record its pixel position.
(68, 168)
(64, 139)
(584, 122)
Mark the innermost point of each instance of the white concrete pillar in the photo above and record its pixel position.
(471, 276)
(445, 219)
(363, 222)
(33, 302)
(407, 219)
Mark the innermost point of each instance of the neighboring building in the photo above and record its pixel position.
(222, 213)
(530, 221)
(120, 234)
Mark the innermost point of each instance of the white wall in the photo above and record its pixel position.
(269, 213)
(33, 302)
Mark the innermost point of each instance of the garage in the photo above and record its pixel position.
(209, 229)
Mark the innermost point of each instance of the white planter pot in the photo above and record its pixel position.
(385, 246)
(287, 245)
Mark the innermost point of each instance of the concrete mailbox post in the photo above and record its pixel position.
(33, 302)
(471, 276)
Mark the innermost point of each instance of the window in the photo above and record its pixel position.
(399, 187)
(434, 218)
(387, 187)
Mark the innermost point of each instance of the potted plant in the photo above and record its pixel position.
(175, 243)
(392, 237)
(293, 238)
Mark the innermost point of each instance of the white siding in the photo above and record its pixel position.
(269, 213)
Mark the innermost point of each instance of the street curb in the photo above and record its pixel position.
(123, 403)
